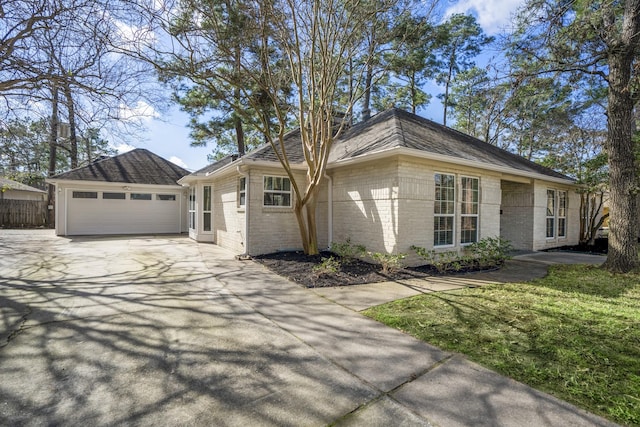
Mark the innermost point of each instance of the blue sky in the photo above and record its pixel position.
(168, 135)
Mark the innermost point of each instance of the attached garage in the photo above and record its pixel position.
(133, 193)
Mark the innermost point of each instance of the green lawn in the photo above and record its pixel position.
(574, 334)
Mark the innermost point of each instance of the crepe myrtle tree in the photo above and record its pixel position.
(302, 49)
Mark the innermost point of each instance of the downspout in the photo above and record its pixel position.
(246, 210)
(329, 210)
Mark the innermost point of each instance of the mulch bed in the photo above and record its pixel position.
(298, 267)
(600, 246)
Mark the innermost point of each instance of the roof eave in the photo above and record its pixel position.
(448, 159)
(107, 183)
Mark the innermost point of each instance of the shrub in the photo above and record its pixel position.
(347, 251)
(487, 253)
(490, 251)
(389, 262)
(329, 265)
(443, 262)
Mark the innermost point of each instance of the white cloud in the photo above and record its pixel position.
(140, 112)
(178, 161)
(123, 147)
(493, 15)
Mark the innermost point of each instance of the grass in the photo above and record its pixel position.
(574, 334)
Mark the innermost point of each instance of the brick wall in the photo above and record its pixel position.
(517, 217)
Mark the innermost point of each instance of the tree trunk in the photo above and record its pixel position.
(306, 218)
(73, 138)
(623, 218)
(53, 143)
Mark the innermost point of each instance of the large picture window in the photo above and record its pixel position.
(551, 213)
(470, 191)
(562, 214)
(277, 191)
(444, 210)
(206, 208)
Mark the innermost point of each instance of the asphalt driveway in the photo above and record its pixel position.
(164, 331)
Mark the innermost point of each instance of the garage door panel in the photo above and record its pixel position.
(109, 216)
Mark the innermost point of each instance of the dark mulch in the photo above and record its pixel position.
(298, 267)
(600, 246)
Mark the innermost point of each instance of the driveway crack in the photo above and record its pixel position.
(21, 327)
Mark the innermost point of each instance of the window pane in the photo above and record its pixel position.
(114, 196)
(165, 196)
(443, 230)
(551, 202)
(206, 198)
(206, 217)
(550, 224)
(562, 227)
(140, 196)
(85, 194)
(562, 203)
(469, 232)
(242, 185)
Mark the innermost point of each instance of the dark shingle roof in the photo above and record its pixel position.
(292, 146)
(400, 129)
(216, 165)
(138, 166)
(397, 128)
(13, 185)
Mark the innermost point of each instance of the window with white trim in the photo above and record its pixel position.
(470, 191)
(444, 209)
(192, 208)
(562, 213)
(551, 213)
(242, 191)
(206, 208)
(277, 191)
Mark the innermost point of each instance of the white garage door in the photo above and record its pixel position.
(105, 212)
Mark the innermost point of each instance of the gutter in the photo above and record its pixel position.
(329, 210)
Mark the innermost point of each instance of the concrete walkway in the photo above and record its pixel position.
(520, 268)
(163, 331)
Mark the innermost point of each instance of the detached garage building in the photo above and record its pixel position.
(132, 193)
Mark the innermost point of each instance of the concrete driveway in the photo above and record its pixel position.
(165, 331)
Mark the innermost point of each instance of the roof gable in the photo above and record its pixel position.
(7, 184)
(139, 166)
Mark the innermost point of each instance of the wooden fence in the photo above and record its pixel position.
(23, 213)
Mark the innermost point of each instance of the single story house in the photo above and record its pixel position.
(393, 181)
(12, 190)
(131, 193)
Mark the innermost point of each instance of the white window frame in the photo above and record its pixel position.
(266, 191)
(562, 213)
(242, 191)
(437, 214)
(192, 208)
(206, 208)
(550, 216)
(475, 215)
